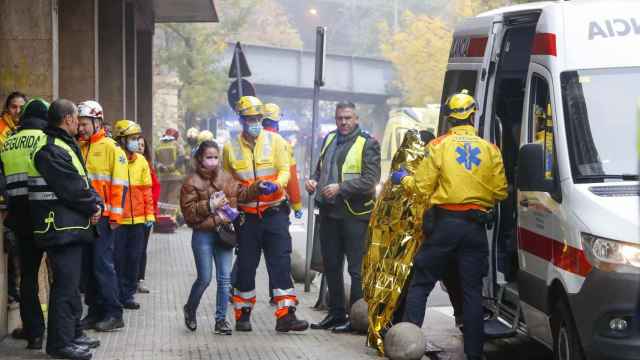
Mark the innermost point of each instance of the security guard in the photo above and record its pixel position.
(271, 122)
(462, 179)
(344, 181)
(16, 161)
(107, 170)
(63, 207)
(260, 162)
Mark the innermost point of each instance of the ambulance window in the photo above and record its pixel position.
(541, 121)
(454, 82)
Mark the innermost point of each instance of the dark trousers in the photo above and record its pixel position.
(30, 308)
(129, 240)
(102, 293)
(340, 238)
(143, 260)
(465, 242)
(271, 235)
(13, 264)
(65, 304)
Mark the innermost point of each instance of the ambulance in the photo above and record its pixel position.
(558, 88)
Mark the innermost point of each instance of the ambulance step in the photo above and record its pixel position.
(494, 329)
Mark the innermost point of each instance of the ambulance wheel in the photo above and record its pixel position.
(566, 342)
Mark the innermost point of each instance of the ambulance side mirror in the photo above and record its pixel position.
(531, 173)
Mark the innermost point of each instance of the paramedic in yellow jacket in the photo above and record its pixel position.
(462, 179)
(106, 166)
(259, 161)
(138, 212)
(170, 158)
(271, 123)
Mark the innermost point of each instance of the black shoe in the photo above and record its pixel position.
(131, 305)
(190, 319)
(223, 327)
(109, 324)
(141, 288)
(35, 343)
(19, 334)
(85, 341)
(290, 322)
(244, 323)
(328, 322)
(71, 352)
(343, 328)
(89, 322)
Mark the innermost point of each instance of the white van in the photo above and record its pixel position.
(557, 84)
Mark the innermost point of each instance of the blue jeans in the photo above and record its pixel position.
(207, 250)
(129, 245)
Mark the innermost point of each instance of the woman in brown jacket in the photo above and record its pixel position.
(199, 206)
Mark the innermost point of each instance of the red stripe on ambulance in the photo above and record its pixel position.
(561, 255)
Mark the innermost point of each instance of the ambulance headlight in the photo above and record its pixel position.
(611, 255)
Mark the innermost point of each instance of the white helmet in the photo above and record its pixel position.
(90, 109)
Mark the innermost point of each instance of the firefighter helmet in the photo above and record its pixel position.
(192, 133)
(461, 105)
(272, 112)
(91, 109)
(175, 134)
(205, 135)
(125, 128)
(249, 106)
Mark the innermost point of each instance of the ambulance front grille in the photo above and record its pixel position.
(616, 191)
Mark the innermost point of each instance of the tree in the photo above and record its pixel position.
(193, 52)
(419, 54)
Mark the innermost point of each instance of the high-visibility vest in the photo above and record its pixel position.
(48, 213)
(268, 160)
(351, 169)
(16, 160)
(167, 154)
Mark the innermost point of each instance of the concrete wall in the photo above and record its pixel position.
(78, 29)
(26, 35)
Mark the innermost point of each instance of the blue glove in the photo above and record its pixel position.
(268, 188)
(298, 214)
(398, 175)
(149, 224)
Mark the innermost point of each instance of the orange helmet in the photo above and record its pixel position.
(173, 133)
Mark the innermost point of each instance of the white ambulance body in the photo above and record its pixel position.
(558, 88)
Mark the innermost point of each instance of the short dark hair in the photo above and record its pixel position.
(207, 144)
(345, 105)
(13, 95)
(59, 109)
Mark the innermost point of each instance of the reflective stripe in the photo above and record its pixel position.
(118, 211)
(286, 303)
(18, 192)
(43, 196)
(16, 178)
(242, 305)
(37, 181)
(244, 295)
(284, 292)
(346, 176)
(101, 177)
(120, 182)
(267, 149)
(262, 203)
(245, 175)
(267, 172)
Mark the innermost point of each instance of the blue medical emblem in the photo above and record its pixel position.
(468, 156)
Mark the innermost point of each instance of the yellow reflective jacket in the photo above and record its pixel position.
(268, 160)
(106, 166)
(169, 156)
(138, 202)
(461, 171)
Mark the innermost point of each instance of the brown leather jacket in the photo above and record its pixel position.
(195, 193)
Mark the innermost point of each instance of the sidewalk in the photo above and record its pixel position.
(157, 331)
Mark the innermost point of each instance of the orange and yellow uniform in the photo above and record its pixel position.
(138, 202)
(106, 166)
(268, 160)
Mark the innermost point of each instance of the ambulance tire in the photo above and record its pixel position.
(566, 341)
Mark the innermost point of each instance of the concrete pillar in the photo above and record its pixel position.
(145, 83)
(131, 78)
(111, 59)
(78, 32)
(28, 34)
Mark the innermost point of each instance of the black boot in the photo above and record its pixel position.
(290, 322)
(85, 341)
(72, 352)
(109, 324)
(190, 319)
(244, 323)
(329, 322)
(223, 327)
(34, 343)
(89, 321)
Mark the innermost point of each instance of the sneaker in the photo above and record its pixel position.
(244, 323)
(290, 322)
(109, 324)
(190, 319)
(141, 288)
(223, 327)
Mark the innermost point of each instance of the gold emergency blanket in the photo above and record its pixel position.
(395, 235)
